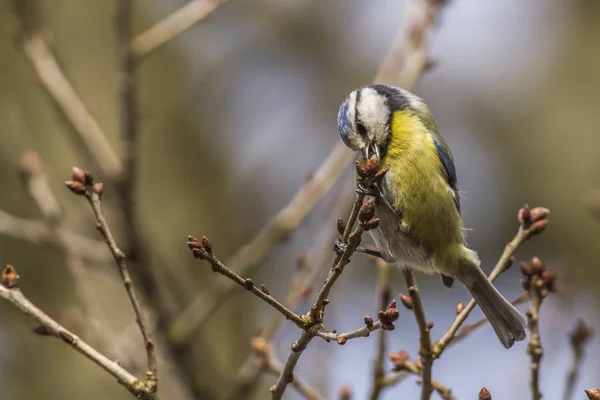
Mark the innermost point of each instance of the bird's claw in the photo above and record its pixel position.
(339, 247)
(362, 189)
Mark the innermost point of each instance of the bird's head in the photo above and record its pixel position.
(365, 117)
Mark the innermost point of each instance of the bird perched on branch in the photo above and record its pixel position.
(417, 201)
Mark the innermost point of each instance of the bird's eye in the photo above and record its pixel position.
(362, 131)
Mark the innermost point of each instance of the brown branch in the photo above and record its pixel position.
(425, 350)
(49, 327)
(54, 80)
(411, 36)
(533, 221)
(384, 299)
(342, 338)
(83, 184)
(262, 350)
(580, 336)
(404, 365)
(287, 373)
(538, 281)
(175, 24)
(203, 251)
(313, 262)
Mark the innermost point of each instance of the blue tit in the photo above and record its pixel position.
(417, 201)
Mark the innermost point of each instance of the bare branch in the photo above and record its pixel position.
(203, 251)
(533, 221)
(49, 327)
(63, 93)
(287, 373)
(83, 184)
(342, 338)
(425, 350)
(384, 298)
(173, 25)
(580, 336)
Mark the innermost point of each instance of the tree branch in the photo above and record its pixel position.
(175, 24)
(532, 222)
(384, 298)
(425, 350)
(83, 184)
(580, 336)
(49, 327)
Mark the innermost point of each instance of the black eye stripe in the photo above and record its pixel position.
(362, 131)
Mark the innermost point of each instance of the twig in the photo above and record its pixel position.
(287, 373)
(205, 304)
(172, 26)
(203, 251)
(37, 232)
(83, 184)
(593, 394)
(263, 351)
(533, 221)
(49, 327)
(62, 92)
(539, 282)
(342, 338)
(580, 336)
(403, 364)
(316, 258)
(379, 362)
(425, 350)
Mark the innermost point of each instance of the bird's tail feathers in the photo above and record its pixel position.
(508, 323)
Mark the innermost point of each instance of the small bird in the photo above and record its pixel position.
(417, 201)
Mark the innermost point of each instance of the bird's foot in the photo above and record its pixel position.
(339, 248)
(367, 191)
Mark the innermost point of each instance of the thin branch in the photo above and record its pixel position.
(342, 338)
(287, 373)
(534, 347)
(384, 298)
(425, 350)
(10, 292)
(203, 250)
(417, 24)
(57, 84)
(262, 350)
(175, 24)
(83, 184)
(580, 336)
(533, 221)
(408, 366)
(37, 232)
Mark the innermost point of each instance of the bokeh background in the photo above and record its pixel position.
(236, 112)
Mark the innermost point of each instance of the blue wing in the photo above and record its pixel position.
(448, 163)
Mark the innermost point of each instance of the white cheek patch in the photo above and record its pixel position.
(374, 113)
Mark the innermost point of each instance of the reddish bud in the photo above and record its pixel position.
(263, 288)
(539, 226)
(509, 263)
(207, 244)
(581, 334)
(248, 284)
(429, 325)
(342, 340)
(539, 213)
(380, 174)
(524, 216)
(549, 278)
(10, 278)
(366, 212)
(406, 301)
(98, 188)
(459, 307)
(399, 359)
(66, 337)
(341, 226)
(76, 187)
(537, 266)
(368, 321)
(484, 394)
(78, 175)
(346, 393)
(593, 394)
(194, 245)
(526, 269)
(373, 223)
(361, 169)
(526, 283)
(41, 330)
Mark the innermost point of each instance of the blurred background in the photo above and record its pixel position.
(235, 114)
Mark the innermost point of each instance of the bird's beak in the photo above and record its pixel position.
(371, 149)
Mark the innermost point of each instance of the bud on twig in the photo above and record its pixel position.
(537, 266)
(388, 316)
(366, 212)
(368, 321)
(207, 244)
(341, 226)
(10, 278)
(484, 394)
(524, 216)
(76, 187)
(459, 307)
(41, 330)
(399, 359)
(373, 223)
(406, 301)
(263, 288)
